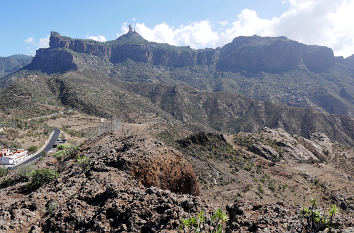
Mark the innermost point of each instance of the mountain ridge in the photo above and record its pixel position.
(253, 54)
(13, 63)
(124, 80)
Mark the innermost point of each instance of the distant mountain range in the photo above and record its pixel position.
(13, 63)
(247, 84)
(263, 68)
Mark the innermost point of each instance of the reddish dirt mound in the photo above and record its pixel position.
(149, 161)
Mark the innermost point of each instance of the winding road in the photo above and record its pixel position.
(46, 149)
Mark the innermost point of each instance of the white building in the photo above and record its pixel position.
(8, 157)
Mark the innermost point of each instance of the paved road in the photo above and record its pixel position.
(48, 147)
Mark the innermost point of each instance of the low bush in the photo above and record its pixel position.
(19, 176)
(3, 172)
(40, 177)
(60, 154)
(51, 207)
(272, 186)
(63, 147)
(32, 149)
(317, 221)
(64, 151)
(216, 221)
(6, 183)
(83, 162)
(260, 188)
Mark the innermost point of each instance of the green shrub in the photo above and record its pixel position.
(51, 207)
(260, 188)
(248, 187)
(21, 172)
(40, 177)
(262, 179)
(83, 162)
(198, 223)
(32, 149)
(3, 172)
(272, 187)
(6, 183)
(60, 154)
(19, 176)
(63, 147)
(64, 151)
(315, 220)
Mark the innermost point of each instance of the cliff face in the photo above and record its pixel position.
(59, 60)
(273, 54)
(133, 46)
(251, 54)
(169, 56)
(318, 58)
(77, 45)
(349, 61)
(53, 60)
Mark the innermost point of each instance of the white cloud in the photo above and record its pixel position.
(29, 40)
(98, 38)
(321, 22)
(43, 42)
(247, 24)
(34, 44)
(223, 23)
(197, 34)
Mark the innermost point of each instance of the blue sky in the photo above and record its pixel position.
(25, 25)
(20, 20)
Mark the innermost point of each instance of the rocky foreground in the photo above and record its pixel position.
(120, 183)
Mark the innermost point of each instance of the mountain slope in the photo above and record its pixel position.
(13, 63)
(98, 94)
(263, 68)
(133, 79)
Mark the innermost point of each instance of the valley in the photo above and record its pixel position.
(156, 133)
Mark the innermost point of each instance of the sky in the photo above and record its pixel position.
(25, 25)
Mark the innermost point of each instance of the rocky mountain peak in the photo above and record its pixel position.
(252, 54)
(131, 37)
(54, 39)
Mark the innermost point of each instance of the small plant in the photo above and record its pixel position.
(272, 187)
(260, 188)
(249, 166)
(83, 162)
(194, 223)
(219, 219)
(21, 172)
(3, 172)
(198, 223)
(51, 207)
(248, 187)
(32, 149)
(6, 183)
(315, 220)
(262, 179)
